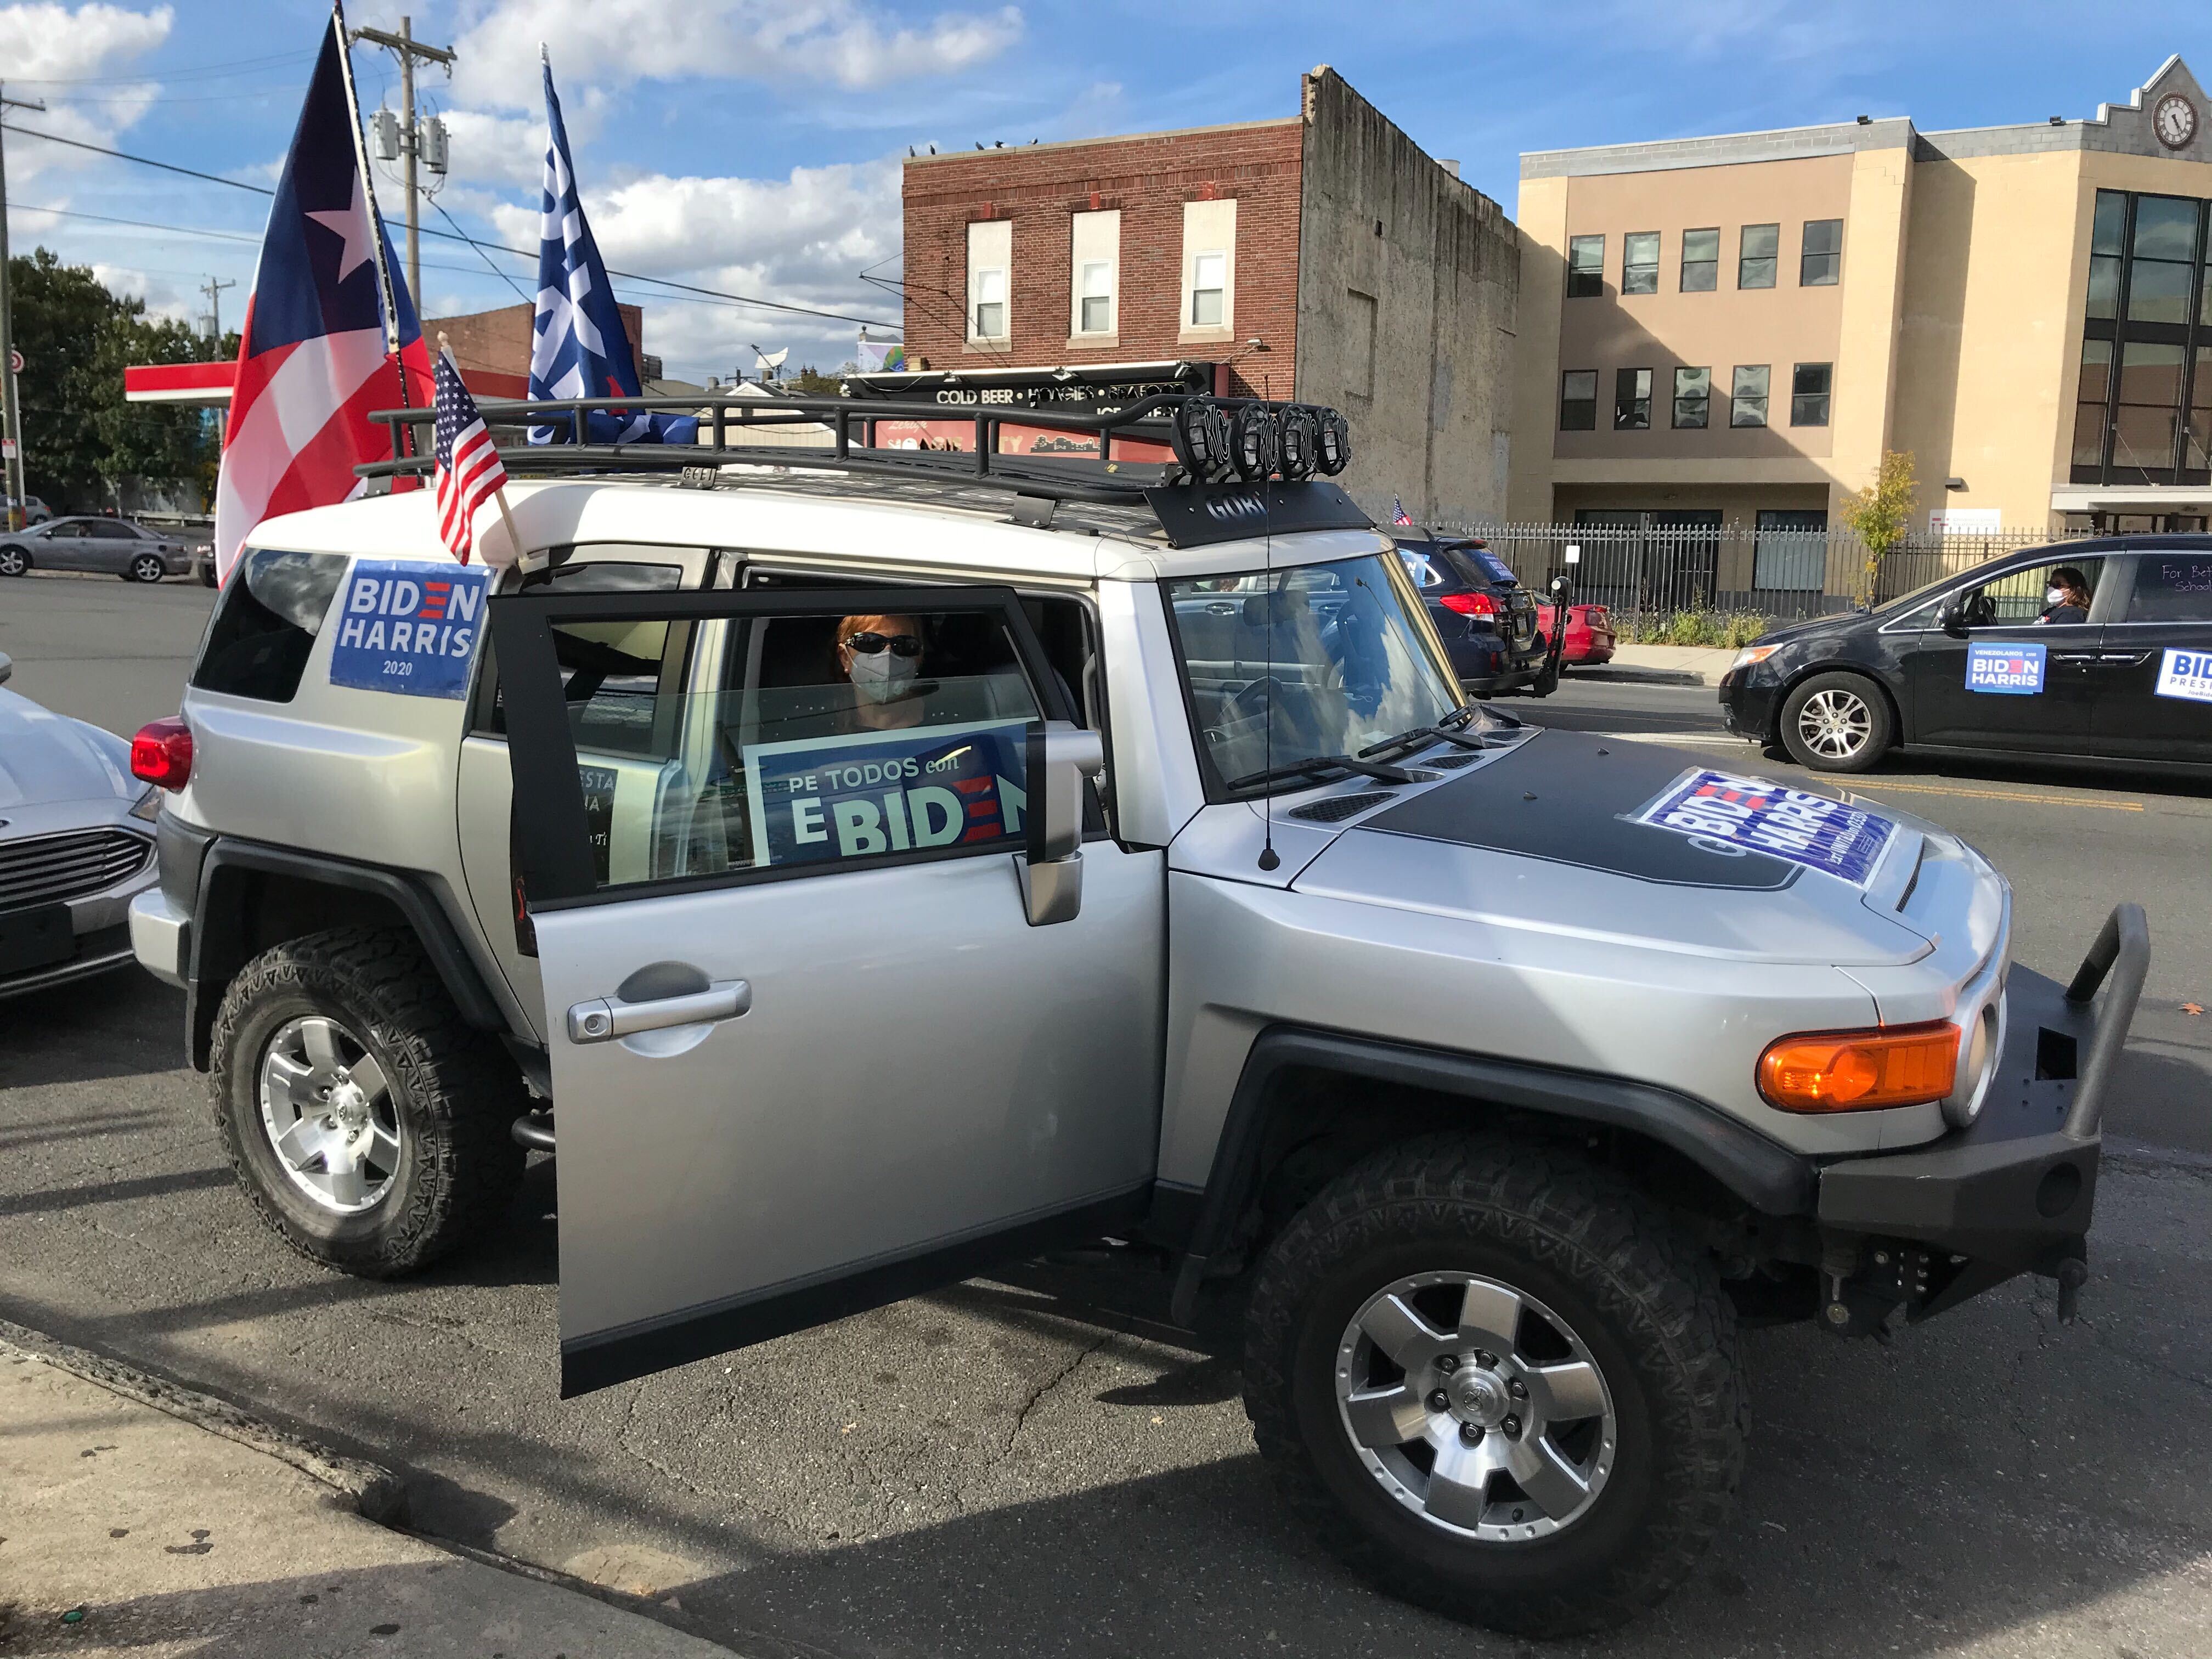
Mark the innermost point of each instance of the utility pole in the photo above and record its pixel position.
(407, 49)
(11, 416)
(213, 289)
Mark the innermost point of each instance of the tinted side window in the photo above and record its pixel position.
(2172, 587)
(266, 623)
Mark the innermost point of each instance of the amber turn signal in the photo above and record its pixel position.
(1861, 1070)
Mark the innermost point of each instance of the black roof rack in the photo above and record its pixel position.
(1196, 494)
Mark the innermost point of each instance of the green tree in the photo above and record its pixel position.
(1883, 512)
(81, 438)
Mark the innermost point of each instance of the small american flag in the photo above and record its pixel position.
(1398, 513)
(467, 472)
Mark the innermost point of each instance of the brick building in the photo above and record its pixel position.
(1322, 256)
(493, 347)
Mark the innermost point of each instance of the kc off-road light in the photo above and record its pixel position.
(1861, 1070)
(1255, 442)
(1331, 443)
(1200, 435)
(1300, 431)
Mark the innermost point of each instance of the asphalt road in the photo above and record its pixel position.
(1002, 1469)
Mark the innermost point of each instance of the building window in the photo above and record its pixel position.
(1631, 400)
(1809, 394)
(1585, 267)
(1701, 261)
(1755, 265)
(1790, 552)
(1209, 283)
(1097, 298)
(1578, 400)
(1820, 262)
(1693, 396)
(1209, 266)
(1639, 262)
(1359, 344)
(990, 253)
(1748, 397)
(1094, 243)
(2143, 412)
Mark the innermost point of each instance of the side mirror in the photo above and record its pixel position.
(7, 666)
(1563, 589)
(1951, 615)
(1060, 756)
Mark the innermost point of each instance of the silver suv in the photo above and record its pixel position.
(893, 863)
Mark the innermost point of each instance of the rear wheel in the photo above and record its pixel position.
(365, 1119)
(1837, 722)
(146, 568)
(14, 561)
(1498, 1383)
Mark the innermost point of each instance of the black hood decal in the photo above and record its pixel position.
(1568, 798)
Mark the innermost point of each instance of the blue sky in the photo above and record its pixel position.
(752, 146)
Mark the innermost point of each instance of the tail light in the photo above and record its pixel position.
(162, 753)
(1470, 605)
(1861, 1070)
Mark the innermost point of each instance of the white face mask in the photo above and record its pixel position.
(2054, 595)
(880, 677)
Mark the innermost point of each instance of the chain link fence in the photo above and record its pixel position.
(1715, 584)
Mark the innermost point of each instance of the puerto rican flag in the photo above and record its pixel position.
(315, 357)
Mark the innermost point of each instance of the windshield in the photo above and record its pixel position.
(1341, 655)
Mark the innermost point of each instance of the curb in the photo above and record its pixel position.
(1634, 675)
(370, 1490)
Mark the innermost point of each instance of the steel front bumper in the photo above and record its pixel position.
(2014, 1191)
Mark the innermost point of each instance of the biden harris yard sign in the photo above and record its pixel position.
(2014, 671)
(412, 628)
(1761, 816)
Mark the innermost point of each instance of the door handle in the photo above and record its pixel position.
(1223, 608)
(605, 1018)
(2073, 656)
(2125, 656)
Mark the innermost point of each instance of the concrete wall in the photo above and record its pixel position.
(1408, 284)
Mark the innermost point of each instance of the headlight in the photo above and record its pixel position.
(1752, 653)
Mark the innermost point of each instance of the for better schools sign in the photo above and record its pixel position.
(1761, 816)
(412, 628)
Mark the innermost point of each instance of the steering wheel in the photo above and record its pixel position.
(1254, 701)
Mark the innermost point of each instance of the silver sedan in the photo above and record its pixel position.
(76, 845)
(116, 547)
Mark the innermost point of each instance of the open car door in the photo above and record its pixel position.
(829, 1022)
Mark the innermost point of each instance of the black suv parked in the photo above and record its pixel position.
(2099, 649)
(1488, 620)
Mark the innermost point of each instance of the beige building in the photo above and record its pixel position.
(1729, 331)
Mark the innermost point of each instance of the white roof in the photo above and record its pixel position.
(784, 517)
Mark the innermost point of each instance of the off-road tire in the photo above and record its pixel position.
(1645, 1299)
(1844, 689)
(459, 1093)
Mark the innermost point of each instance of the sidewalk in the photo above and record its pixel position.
(1662, 664)
(125, 1530)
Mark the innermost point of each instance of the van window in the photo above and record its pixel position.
(271, 609)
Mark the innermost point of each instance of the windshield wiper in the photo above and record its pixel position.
(1320, 763)
(1450, 729)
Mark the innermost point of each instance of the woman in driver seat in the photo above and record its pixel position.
(882, 658)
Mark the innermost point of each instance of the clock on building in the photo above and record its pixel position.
(2174, 120)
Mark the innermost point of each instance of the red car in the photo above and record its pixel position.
(1589, 632)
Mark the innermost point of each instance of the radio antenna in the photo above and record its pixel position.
(1269, 858)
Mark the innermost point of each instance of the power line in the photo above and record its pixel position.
(519, 254)
(191, 72)
(141, 224)
(480, 252)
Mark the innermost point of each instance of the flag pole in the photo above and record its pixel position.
(375, 224)
(507, 518)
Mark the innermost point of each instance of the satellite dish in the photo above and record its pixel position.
(771, 360)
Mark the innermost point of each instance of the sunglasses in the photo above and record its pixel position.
(899, 645)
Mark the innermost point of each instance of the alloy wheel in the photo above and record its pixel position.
(1476, 1406)
(327, 1109)
(1835, 723)
(12, 561)
(146, 568)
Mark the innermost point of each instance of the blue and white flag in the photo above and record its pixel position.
(581, 349)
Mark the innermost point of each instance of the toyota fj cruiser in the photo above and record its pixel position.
(893, 863)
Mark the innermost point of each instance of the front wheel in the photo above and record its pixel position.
(1498, 1383)
(1837, 722)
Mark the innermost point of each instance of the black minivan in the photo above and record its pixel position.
(2092, 649)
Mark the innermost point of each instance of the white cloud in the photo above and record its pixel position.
(50, 51)
(620, 42)
(798, 240)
